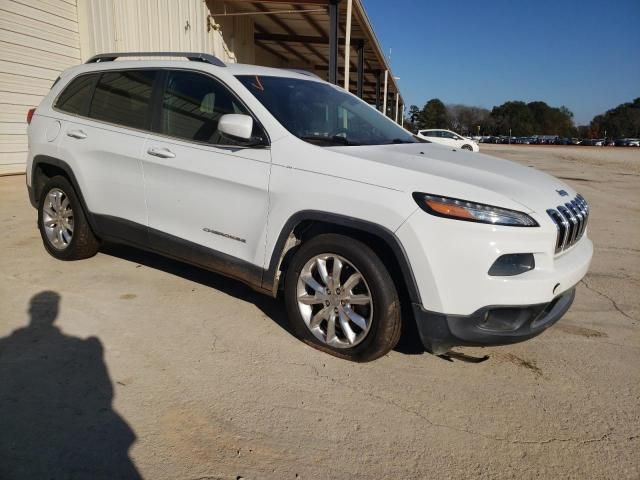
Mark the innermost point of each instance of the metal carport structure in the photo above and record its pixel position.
(331, 38)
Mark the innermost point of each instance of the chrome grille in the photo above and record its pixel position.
(571, 222)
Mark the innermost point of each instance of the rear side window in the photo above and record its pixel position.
(76, 96)
(192, 106)
(124, 98)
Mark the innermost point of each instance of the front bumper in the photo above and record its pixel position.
(451, 261)
(493, 325)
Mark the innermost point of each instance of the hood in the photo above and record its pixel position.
(432, 168)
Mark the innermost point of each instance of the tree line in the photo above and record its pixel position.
(521, 119)
(622, 121)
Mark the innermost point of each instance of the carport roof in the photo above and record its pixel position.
(297, 33)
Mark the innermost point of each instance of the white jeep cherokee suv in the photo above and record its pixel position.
(288, 183)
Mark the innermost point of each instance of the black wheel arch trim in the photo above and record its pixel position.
(270, 280)
(39, 160)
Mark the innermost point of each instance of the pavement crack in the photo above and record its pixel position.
(601, 438)
(613, 302)
(621, 249)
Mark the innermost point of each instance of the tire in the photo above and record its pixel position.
(366, 312)
(467, 147)
(67, 234)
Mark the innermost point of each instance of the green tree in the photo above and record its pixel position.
(514, 117)
(412, 122)
(551, 120)
(533, 118)
(621, 121)
(414, 113)
(434, 115)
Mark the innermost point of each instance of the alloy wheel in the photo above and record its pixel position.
(335, 301)
(57, 219)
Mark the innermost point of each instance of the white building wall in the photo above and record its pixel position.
(237, 31)
(40, 38)
(169, 25)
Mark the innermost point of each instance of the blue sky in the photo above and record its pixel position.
(583, 54)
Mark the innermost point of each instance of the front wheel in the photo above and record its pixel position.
(467, 147)
(341, 299)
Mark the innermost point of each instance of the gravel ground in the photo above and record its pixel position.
(128, 365)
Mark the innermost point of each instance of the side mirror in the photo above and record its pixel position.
(236, 126)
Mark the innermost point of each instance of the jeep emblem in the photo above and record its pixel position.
(562, 193)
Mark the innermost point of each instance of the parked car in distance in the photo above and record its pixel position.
(302, 190)
(627, 142)
(449, 138)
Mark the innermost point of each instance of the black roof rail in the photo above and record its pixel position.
(193, 56)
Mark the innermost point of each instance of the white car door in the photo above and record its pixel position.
(103, 141)
(450, 139)
(201, 189)
(431, 135)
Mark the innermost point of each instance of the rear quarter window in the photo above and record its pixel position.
(76, 96)
(124, 98)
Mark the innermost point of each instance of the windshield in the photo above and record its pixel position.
(323, 114)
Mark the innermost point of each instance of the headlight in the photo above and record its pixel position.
(471, 211)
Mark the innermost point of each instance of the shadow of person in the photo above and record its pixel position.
(56, 419)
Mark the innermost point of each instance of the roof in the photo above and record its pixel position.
(111, 61)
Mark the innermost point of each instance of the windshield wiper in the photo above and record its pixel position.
(335, 140)
(399, 140)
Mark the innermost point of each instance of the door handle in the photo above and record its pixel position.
(161, 152)
(79, 134)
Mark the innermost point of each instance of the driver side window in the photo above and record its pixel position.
(192, 105)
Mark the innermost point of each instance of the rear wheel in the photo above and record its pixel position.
(341, 299)
(63, 226)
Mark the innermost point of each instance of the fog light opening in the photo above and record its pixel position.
(512, 264)
(506, 319)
